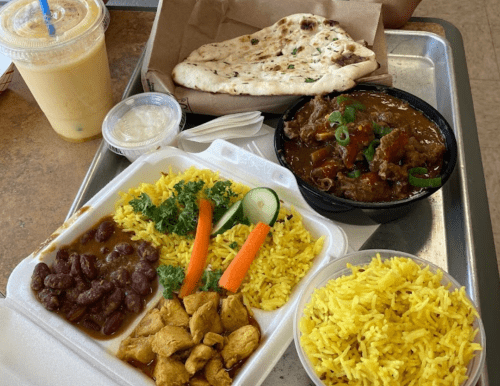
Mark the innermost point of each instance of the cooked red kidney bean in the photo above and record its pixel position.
(76, 268)
(49, 299)
(111, 257)
(75, 313)
(140, 283)
(148, 252)
(144, 267)
(133, 301)
(124, 248)
(102, 285)
(103, 292)
(61, 266)
(104, 231)
(87, 236)
(120, 277)
(113, 301)
(88, 265)
(91, 325)
(58, 281)
(113, 323)
(90, 296)
(40, 271)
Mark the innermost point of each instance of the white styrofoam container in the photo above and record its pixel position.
(39, 347)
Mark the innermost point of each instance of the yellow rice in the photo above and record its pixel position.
(282, 261)
(392, 323)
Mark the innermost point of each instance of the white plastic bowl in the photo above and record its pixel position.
(142, 123)
(338, 268)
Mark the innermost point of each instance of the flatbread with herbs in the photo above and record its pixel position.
(301, 54)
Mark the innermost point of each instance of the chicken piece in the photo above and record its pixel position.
(215, 373)
(213, 339)
(233, 313)
(150, 324)
(199, 356)
(171, 339)
(194, 301)
(205, 319)
(198, 380)
(138, 349)
(173, 313)
(241, 343)
(169, 372)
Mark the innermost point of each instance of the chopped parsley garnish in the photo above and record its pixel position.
(310, 80)
(254, 41)
(210, 280)
(233, 245)
(179, 213)
(170, 278)
(220, 194)
(294, 52)
(319, 50)
(291, 67)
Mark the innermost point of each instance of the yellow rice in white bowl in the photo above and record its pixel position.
(283, 260)
(372, 320)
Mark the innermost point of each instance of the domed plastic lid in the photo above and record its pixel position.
(23, 31)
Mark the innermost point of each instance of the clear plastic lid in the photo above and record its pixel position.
(141, 123)
(24, 34)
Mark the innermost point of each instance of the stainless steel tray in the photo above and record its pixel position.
(452, 228)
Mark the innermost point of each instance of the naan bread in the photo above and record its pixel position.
(301, 54)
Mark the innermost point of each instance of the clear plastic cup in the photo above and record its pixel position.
(142, 123)
(67, 72)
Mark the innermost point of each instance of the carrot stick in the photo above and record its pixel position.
(200, 249)
(233, 276)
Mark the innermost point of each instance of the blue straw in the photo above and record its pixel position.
(46, 16)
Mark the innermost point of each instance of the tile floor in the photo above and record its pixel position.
(479, 23)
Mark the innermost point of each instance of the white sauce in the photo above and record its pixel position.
(142, 123)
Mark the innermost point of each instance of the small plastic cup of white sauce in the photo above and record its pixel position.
(142, 123)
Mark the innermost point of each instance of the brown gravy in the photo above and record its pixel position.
(408, 140)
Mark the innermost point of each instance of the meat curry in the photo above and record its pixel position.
(364, 146)
(202, 339)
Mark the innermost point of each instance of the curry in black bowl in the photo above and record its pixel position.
(371, 147)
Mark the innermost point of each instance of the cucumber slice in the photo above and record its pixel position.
(228, 218)
(261, 204)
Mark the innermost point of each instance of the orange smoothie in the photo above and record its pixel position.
(67, 73)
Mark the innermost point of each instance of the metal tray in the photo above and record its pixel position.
(451, 229)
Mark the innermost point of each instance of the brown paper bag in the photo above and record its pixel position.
(181, 26)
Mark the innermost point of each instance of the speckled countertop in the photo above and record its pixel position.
(40, 172)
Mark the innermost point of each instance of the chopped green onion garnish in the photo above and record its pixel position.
(291, 67)
(342, 130)
(336, 116)
(310, 80)
(342, 98)
(349, 114)
(422, 182)
(354, 174)
(380, 130)
(254, 41)
(294, 52)
(369, 152)
(319, 50)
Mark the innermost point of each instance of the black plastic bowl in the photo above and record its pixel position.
(326, 203)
